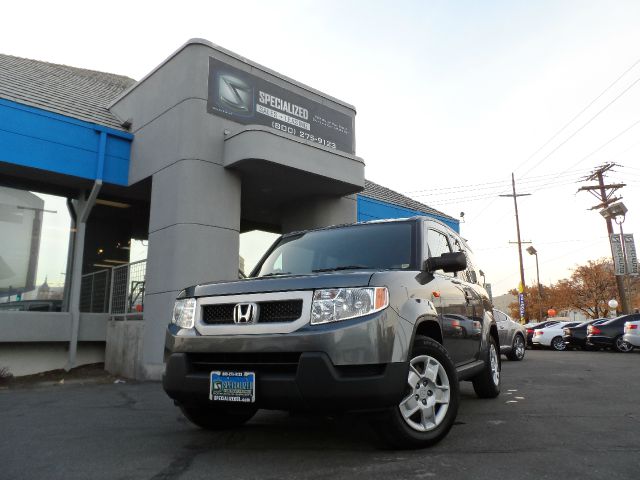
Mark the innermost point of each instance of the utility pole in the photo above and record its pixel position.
(515, 205)
(605, 193)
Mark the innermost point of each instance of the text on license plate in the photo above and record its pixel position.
(232, 387)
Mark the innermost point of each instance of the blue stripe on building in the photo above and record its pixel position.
(371, 209)
(36, 138)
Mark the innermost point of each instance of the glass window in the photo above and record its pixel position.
(376, 246)
(35, 242)
(438, 243)
(499, 316)
(470, 275)
(253, 246)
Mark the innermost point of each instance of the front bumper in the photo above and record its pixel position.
(290, 381)
(382, 337)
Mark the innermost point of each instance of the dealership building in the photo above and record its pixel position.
(206, 147)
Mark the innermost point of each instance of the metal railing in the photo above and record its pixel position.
(127, 290)
(94, 292)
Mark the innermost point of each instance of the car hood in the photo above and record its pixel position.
(282, 283)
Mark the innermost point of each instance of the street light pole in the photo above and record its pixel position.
(618, 211)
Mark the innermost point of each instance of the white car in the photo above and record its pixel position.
(552, 336)
(632, 333)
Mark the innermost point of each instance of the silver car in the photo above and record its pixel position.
(512, 335)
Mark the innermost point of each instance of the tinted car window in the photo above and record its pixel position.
(377, 246)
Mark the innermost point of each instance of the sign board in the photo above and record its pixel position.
(630, 251)
(245, 98)
(618, 254)
(521, 302)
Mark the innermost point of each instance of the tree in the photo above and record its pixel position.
(592, 286)
(532, 302)
(588, 289)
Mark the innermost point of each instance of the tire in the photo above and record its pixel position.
(517, 348)
(487, 383)
(557, 344)
(621, 346)
(216, 418)
(436, 388)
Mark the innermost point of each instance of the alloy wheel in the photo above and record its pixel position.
(558, 344)
(427, 402)
(519, 347)
(623, 346)
(495, 364)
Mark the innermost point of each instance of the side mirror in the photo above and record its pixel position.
(447, 262)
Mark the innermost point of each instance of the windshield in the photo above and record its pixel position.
(382, 246)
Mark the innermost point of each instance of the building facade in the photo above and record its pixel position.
(205, 147)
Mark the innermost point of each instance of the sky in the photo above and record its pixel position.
(452, 97)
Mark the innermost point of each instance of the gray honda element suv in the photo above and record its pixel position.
(384, 317)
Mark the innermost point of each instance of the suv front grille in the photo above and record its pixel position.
(279, 311)
(218, 314)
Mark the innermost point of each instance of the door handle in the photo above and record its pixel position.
(457, 282)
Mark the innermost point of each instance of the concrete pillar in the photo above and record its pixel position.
(320, 212)
(194, 236)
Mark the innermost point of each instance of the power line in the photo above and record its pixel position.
(495, 184)
(482, 192)
(553, 137)
(584, 125)
(605, 144)
(488, 195)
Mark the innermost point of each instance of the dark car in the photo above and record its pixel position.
(610, 333)
(532, 327)
(385, 317)
(576, 337)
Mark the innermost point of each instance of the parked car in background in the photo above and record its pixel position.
(632, 332)
(531, 327)
(611, 333)
(512, 335)
(551, 335)
(576, 337)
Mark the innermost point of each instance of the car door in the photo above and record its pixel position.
(478, 306)
(503, 324)
(451, 301)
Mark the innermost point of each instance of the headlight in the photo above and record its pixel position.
(184, 312)
(335, 304)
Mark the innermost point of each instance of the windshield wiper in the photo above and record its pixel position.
(273, 274)
(344, 267)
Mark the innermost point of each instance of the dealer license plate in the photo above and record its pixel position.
(233, 387)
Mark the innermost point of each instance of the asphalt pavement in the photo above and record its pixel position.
(560, 415)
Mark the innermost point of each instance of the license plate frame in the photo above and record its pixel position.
(232, 386)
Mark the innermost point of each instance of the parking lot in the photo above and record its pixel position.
(560, 414)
